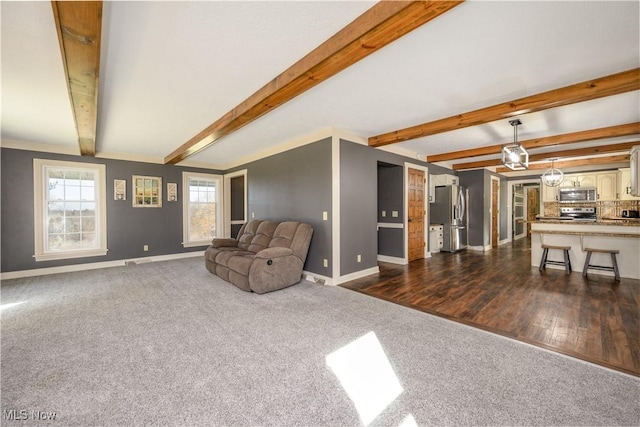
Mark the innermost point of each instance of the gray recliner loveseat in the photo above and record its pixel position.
(266, 255)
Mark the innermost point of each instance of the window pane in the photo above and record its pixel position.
(88, 224)
(70, 218)
(72, 241)
(56, 242)
(87, 192)
(72, 192)
(72, 225)
(72, 209)
(56, 224)
(56, 189)
(202, 221)
(88, 208)
(89, 240)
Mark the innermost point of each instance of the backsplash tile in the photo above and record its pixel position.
(604, 209)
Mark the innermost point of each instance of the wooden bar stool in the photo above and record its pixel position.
(614, 262)
(545, 253)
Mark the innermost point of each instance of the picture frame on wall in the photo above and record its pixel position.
(147, 191)
(119, 189)
(172, 192)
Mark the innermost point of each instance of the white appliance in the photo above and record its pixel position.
(449, 210)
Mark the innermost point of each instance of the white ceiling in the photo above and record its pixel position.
(169, 69)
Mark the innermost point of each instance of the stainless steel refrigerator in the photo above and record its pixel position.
(449, 209)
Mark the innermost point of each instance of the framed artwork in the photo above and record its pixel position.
(147, 191)
(172, 192)
(119, 189)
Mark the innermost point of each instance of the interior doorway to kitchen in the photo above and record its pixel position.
(525, 206)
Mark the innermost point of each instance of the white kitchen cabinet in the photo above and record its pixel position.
(432, 188)
(436, 237)
(607, 185)
(445, 179)
(624, 185)
(634, 168)
(549, 194)
(585, 180)
(439, 180)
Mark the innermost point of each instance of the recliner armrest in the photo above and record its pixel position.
(224, 242)
(274, 253)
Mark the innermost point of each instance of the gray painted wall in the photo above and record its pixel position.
(504, 207)
(390, 194)
(474, 181)
(128, 228)
(292, 185)
(390, 198)
(296, 185)
(479, 184)
(359, 205)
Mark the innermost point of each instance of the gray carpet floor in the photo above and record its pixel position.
(168, 343)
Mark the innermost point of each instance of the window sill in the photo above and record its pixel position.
(196, 244)
(70, 255)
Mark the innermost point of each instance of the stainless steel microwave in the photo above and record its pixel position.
(577, 194)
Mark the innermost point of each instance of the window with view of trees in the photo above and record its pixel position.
(69, 215)
(201, 208)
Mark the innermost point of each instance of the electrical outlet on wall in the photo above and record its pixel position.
(145, 248)
(394, 214)
(325, 263)
(359, 258)
(384, 213)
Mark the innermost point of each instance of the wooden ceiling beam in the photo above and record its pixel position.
(578, 152)
(79, 26)
(624, 158)
(385, 22)
(548, 141)
(613, 84)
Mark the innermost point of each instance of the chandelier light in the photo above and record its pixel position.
(552, 177)
(514, 156)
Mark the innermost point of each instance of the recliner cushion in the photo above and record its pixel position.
(263, 236)
(249, 232)
(241, 263)
(224, 257)
(283, 235)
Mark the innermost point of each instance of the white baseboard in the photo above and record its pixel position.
(480, 248)
(502, 242)
(356, 275)
(318, 278)
(95, 265)
(392, 259)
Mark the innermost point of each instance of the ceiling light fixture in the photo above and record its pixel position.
(552, 177)
(514, 156)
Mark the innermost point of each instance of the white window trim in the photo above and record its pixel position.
(185, 207)
(40, 226)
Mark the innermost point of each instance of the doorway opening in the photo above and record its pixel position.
(525, 200)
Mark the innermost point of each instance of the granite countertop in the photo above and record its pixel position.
(630, 222)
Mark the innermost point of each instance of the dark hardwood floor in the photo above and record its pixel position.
(594, 318)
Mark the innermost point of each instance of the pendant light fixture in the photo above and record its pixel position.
(514, 156)
(552, 177)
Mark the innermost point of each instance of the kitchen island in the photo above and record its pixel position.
(620, 234)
